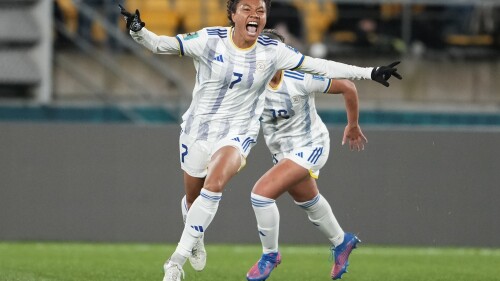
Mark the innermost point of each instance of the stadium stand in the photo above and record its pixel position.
(321, 20)
(161, 16)
(469, 40)
(318, 15)
(423, 24)
(172, 17)
(70, 14)
(17, 69)
(18, 72)
(25, 32)
(196, 14)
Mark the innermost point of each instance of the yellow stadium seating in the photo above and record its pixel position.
(163, 17)
(71, 20)
(197, 14)
(70, 14)
(318, 15)
(469, 40)
(159, 15)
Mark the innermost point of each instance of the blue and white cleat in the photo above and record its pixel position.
(341, 255)
(261, 270)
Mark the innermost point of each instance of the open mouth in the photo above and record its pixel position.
(252, 27)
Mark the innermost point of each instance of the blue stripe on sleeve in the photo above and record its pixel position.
(300, 62)
(328, 87)
(180, 44)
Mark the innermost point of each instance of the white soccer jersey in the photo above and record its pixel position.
(228, 95)
(290, 120)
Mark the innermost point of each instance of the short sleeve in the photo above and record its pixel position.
(192, 44)
(317, 84)
(288, 57)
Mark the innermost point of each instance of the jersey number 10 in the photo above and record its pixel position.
(283, 113)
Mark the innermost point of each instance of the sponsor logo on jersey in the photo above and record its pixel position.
(317, 77)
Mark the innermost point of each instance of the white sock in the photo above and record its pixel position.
(198, 219)
(320, 214)
(184, 209)
(268, 222)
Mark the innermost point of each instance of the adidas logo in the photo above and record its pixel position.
(198, 228)
(219, 58)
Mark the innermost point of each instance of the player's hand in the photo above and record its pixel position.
(353, 134)
(134, 22)
(382, 73)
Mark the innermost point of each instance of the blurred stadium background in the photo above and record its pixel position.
(89, 122)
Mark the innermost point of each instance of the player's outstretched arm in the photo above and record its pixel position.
(337, 70)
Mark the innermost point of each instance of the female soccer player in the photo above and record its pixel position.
(234, 65)
(299, 142)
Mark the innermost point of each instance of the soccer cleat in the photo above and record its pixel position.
(173, 271)
(198, 258)
(341, 255)
(261, 270)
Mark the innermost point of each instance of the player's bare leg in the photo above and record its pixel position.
(192, 187)
(224, 164)
(280, 178)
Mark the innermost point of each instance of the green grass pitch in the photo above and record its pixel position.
(137, 262)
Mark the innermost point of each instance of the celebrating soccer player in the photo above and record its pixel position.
(299, 143)
(234, 65)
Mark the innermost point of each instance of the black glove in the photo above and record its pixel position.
(134, 22)
(382, 73)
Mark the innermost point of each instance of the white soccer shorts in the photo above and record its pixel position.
(196, 154)
(312, 158)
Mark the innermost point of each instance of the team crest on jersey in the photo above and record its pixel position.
(260, 65)
(292, 48)
(296, 99)
(191, 35)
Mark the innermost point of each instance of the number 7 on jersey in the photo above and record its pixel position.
(238, 79)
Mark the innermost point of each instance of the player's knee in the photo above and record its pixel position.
(261, 188)
(216, 186)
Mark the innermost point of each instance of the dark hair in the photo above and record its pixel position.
(231, 8)
(273, 34)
